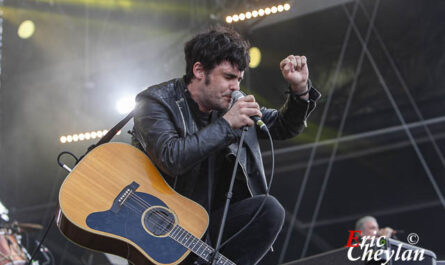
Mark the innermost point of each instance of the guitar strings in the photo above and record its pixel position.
(139, 201)
(143, 203)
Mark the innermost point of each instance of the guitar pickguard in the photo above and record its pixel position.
(127, 223)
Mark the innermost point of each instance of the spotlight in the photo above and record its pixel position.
(83, 136)
(255, 13)
(125, 105)
(26, 29)
(255, 57)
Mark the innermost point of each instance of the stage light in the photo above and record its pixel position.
(84, 136)
(125, 105)
(26, 29)
(255, 57)
(261, 12)
(255, 13)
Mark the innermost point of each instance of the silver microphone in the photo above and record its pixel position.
(236, 95)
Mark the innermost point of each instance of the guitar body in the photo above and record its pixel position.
(116, 201)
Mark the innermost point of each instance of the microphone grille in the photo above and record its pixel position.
(237, 95)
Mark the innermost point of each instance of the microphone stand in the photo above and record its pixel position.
(228, 198)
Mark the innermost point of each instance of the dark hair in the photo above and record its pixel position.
(213, 47)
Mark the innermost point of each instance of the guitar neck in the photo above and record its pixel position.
(197, 246)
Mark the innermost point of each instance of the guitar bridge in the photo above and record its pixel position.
(123, 196)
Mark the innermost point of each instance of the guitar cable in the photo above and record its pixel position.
(63, 165)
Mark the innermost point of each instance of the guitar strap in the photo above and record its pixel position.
(211, 169)
(110, 134)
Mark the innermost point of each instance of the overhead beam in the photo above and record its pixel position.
(298, 8)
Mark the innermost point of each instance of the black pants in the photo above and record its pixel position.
(254, 242)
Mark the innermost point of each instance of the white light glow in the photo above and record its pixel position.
(125, 105)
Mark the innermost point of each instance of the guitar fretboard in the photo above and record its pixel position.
(197, 246)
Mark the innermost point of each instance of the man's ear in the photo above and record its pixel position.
(198, 71)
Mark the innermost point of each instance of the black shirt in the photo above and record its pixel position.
(214, 175)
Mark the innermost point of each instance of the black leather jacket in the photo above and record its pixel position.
(165, 129)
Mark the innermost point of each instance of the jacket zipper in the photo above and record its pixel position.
(247, 181)
(306, 114)
(182, 116)
(245, 175)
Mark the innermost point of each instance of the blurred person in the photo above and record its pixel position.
(369, 227)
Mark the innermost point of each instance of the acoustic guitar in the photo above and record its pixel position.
(116, 201)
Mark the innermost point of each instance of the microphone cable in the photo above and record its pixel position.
(264, 199)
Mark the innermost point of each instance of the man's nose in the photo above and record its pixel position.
(235, 86)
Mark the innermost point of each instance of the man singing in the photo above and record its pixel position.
(190, 128)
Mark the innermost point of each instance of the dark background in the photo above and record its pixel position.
(85, 55)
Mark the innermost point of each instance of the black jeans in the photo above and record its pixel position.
(254, 242)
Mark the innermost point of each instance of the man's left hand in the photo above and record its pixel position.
(296, 73)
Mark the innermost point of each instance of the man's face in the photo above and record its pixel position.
(216, 90)
(370, 228)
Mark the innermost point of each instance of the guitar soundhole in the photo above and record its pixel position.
(158, 221)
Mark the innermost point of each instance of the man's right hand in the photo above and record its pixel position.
(240, 113)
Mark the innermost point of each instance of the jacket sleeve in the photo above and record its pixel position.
(291, 119)
(172, 151)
